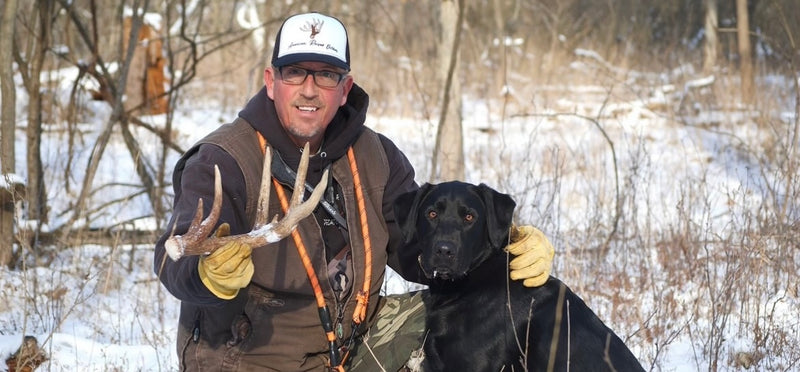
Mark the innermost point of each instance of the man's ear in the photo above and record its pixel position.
(347, 85)
(500, 212)
(269, 81)
(406, 208)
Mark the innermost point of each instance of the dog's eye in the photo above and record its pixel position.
(432, 214)
(469, 217)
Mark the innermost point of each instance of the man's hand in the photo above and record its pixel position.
(228, 269)
(534, 256)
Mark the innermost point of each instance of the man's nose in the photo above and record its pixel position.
(309, 86)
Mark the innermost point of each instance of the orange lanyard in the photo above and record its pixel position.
(362, 296)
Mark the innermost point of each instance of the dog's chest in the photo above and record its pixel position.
(469, 326)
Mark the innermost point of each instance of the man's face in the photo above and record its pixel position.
(306, 109)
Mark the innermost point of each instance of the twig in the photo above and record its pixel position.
(618, 198)
(606, 357)
(562, 291)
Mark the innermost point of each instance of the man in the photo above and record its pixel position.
(255, 309)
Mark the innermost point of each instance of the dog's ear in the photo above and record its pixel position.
(405, 210)
(499, 214)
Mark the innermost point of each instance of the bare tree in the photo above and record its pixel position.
(192, 38)
(711, 46)
(111, 90)
(448, 157)
(745, 51)
(8, 123)
(39, 19)
(500, 32)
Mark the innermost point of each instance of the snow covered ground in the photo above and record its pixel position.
(570, 167)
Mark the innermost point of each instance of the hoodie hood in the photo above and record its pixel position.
(343, 131)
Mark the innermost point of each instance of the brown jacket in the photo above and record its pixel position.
(273, 324)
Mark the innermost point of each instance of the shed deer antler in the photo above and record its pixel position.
(196, 240)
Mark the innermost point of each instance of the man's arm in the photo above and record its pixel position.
(401, 180)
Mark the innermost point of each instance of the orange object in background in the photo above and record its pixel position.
(145, 88)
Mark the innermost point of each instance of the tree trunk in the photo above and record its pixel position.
(711, 45)
(141, 169)
(7, 128)
(36, 195)
(745, 51)
(500, 30)
(448, 157)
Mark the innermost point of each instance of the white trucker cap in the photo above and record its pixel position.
(312, 37)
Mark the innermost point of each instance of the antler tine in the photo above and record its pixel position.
(300, 180)
(263, 195)
(297, 208)
(186, 244)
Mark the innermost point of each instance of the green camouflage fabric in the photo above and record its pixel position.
(395, 336)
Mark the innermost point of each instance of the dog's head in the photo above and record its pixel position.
(456, 226)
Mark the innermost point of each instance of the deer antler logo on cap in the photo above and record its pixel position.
(314, 27)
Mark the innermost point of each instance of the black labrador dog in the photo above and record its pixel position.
(476, 318)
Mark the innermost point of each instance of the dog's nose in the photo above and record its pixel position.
(445, 249)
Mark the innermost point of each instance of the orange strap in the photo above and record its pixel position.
(301, 249)
(360, 312)
(362, 296)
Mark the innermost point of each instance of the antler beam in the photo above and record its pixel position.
(198, 239)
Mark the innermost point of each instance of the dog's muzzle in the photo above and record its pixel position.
(437, 269)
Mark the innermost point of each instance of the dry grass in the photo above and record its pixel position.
(714, 269)
(668, 259)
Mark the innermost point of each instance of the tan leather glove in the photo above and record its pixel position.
(534, 255)
(228, 269)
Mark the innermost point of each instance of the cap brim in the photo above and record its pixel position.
(310, 57)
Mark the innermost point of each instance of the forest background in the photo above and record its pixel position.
(689, 251)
